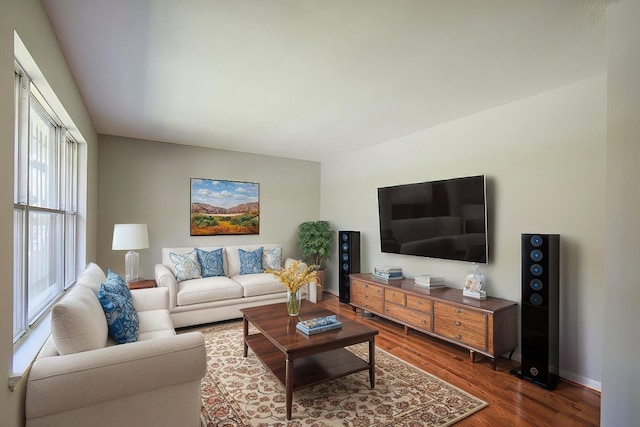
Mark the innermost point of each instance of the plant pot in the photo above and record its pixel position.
(320, 287)
(312, 294)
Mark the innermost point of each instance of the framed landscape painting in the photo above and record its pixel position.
(224, 207)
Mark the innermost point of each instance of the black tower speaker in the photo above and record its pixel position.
(539, 319)
(349, 262)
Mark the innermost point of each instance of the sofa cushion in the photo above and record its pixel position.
(272, 258)
(186, 266)
(259, 284)
(122, 318)
(230, 255)
(155, 324)
(206, 290)
(251, 261)
(78, 322)
(92, 277)
(211, 262)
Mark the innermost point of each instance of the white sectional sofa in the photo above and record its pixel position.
(201, 300)
(83, 378)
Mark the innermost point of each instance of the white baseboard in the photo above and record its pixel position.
(578, 379)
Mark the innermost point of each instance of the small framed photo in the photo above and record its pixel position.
(224, 207)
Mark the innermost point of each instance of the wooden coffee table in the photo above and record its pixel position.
(298, 360)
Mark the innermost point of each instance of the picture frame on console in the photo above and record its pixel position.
(223, 207)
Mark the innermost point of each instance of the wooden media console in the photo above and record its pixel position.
(488, 327)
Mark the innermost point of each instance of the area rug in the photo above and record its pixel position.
(239, 391)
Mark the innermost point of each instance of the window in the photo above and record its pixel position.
(45, 203)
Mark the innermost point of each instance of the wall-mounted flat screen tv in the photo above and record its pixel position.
(438, 219)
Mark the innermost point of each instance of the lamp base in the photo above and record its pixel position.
(131, 262)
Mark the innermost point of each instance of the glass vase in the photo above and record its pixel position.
(475, 279)
(293, 303)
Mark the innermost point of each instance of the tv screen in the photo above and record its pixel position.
(439, 219)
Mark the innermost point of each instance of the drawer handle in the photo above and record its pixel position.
(419, 302)
(458, 336)
(366, 286)
(458, 310)
(424, 322)
(366, 296)
(393, 294)
(458, 323)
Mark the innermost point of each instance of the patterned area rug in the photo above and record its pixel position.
(239, 391)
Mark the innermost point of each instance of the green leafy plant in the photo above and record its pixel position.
(204, 220)
(315, 239)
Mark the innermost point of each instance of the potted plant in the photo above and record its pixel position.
(315, 239)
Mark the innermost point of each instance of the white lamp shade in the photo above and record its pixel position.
(130, 236)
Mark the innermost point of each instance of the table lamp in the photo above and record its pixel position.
(130, 237)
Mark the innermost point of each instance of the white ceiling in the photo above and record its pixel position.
(308, 78)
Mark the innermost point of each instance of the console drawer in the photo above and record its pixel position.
(420, 303)
(460, 324)
(367, 296)
(395, 296)
(417, 319)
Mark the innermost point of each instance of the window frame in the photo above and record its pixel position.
(60, 237)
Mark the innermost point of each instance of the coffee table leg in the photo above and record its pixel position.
(289, 386)
(372, 362)
(245, 333)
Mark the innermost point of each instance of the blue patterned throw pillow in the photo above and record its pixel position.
(186, 266)
(272, 258)
(210, 262)
(122, 317)
(251, 261)
(117, 283)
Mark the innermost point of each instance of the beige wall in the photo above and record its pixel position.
(28, 19)
(544, 161)
(148, 182)
(621, 346)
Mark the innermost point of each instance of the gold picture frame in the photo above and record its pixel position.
(223, 207)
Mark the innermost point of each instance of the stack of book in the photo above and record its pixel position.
(387, 272)
(429, 282)
(319, 324)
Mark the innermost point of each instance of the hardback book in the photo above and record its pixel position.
(318, 325)
(387, 269)
(431, 285)
(482, 295)
(387, 277)
(391, 274)
(429, 280)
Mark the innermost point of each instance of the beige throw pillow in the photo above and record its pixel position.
(78, 322)
(92, 276)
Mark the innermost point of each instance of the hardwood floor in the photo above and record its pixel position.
(511, 401)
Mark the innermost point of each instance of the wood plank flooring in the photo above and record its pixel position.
(512, 402)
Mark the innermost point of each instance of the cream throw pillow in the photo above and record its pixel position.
(92, 276)
(272, 258)
(78, 322)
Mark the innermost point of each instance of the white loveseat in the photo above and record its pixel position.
(83, 378)
(211, 299)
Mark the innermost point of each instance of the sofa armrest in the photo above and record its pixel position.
(165, 278)
(62, 383)
(150, 299)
